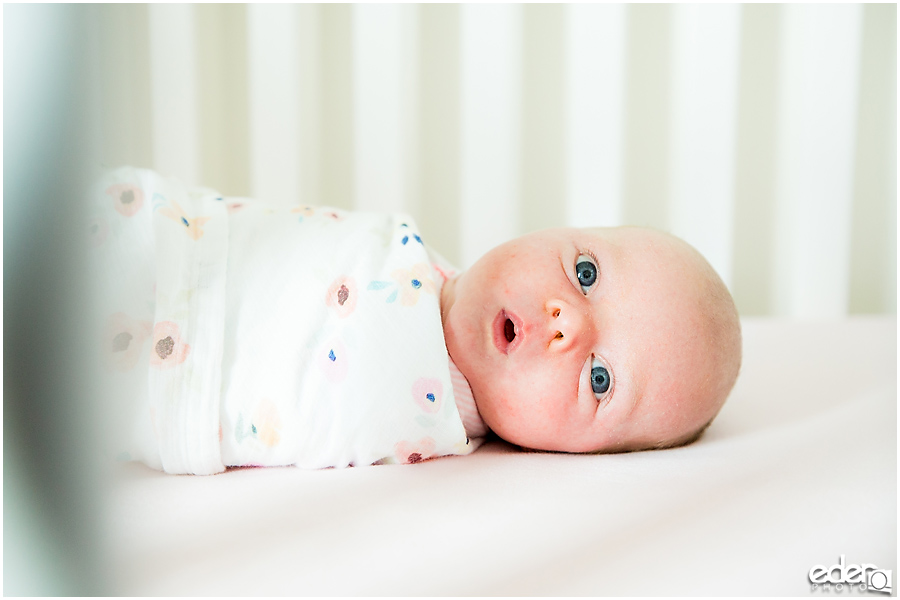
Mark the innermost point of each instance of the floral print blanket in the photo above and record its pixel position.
(237, 332)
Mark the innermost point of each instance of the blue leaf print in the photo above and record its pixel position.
(378, 285)
(392, 297)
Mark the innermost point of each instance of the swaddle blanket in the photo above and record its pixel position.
(242, 333)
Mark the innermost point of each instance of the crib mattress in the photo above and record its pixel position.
(799, 469)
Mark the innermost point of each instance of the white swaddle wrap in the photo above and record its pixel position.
(240, 333)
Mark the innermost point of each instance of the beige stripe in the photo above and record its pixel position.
(465, 403)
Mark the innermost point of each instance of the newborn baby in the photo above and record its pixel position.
(242, 333)
(594, 340)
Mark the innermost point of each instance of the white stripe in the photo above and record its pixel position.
(816, 141)
(173, 92)
(384, 52)
(491, 73)
(595, 91)
(273, 75)
(705, 48)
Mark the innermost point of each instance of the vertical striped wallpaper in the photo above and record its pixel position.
(765, 135)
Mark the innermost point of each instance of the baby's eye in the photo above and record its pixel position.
(586, 271)
(600, 378)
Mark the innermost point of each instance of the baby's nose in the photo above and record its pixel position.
(566, 325)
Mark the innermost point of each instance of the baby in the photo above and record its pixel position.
(242, 333)
(594, 340)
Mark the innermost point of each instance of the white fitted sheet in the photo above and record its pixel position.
(799, 468)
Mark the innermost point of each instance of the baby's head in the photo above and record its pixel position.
(583, 340)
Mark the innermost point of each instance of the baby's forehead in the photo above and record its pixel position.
(653, 288)
(635, 247)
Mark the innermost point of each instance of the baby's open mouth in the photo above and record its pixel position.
(507, 331)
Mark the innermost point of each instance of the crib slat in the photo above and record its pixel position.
(439, 136)
(491, 82)
(647, 114)
(814, 176)
(337, 176)
(543, 148)
(873, 253)
(173, 91)
(754, 207)
(124, 94)
(705, 48)
(273, 74)
(309, 48)
(595, 92)
(223, 97)
(384, 52)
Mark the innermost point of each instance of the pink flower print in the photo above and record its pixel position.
(266, 424)
(333, 361)
(334, 214)
(124, 339)
(445, 275)
(341, 296)
(97, 231)
(428, 393)
(127, 199)
(194, 225)
(167, 348)
(412, 282)
(234, 207)
(414, 452)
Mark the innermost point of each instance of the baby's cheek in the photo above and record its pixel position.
(497, 409)
(530, 417)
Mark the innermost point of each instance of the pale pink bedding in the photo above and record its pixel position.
(799, 468)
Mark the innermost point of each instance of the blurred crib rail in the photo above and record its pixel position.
(765, 135)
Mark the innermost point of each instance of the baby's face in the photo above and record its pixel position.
(583, 340)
